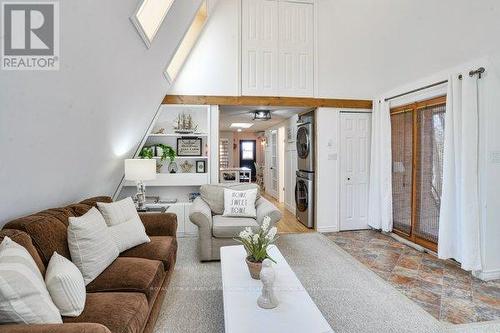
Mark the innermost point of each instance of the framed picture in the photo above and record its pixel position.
(200, 167)
(189, 147)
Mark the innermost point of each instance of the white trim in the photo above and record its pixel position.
(327, 229)
(140, 28)
(487, 275)
(165, 71)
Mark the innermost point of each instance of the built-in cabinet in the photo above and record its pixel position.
(277, 48)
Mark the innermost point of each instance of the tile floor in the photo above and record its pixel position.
(439, 286)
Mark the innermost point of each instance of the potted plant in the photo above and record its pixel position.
(256, 245)
(168, 152)
(164, 152)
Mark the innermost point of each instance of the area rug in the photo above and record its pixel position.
(351, 297)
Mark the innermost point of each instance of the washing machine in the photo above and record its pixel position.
(305, 143)
(304, 198)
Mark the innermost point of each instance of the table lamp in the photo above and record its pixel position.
(140, 170)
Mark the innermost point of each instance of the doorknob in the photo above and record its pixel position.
(348, 178)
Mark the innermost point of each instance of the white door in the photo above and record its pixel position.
(259, 47)
(355, 131)
(274, 166)
(296, 49)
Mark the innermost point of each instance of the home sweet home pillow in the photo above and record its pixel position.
(240, 203)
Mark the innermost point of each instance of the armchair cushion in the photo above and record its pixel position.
(229, 227)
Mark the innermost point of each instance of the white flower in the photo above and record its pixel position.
(265, 223)
(255, 238)
(245, 236)
(249, 231)
(272, 232)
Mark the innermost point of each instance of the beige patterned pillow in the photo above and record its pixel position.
(24, 298)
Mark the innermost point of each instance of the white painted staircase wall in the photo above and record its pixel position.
(64, 134)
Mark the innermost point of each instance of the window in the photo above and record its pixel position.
(187, 43)
(417, 169)
(224, 153)
(149, 17)
(247, 148)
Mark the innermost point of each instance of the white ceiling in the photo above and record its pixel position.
(243, 114)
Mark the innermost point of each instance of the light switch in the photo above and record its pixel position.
(495, 157)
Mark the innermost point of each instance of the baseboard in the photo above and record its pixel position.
(487, 275)
(290, 208)
(327, 229)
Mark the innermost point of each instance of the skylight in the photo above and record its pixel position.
(149, 17)
(187, 43)
(241, 125)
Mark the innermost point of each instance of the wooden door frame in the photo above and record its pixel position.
(413, 108)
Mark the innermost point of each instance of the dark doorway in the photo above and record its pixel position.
(247, 155)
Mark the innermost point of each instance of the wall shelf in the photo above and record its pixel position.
(184, 158)
(175, 135)
(175, 179)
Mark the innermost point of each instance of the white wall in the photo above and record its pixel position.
(64, 134)
(489, 142)
(327, 169)
(363, 47)
(213, 66)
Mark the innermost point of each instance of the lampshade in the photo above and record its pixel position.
(140, 169)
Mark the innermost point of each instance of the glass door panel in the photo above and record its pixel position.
(402, 169)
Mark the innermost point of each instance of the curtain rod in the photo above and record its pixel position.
(478, 71)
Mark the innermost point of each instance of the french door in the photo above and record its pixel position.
(417, 132)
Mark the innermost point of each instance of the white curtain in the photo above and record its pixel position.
(380, 189)
(459, 231)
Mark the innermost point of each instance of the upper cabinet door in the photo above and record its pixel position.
(296, 49)
(259, 48)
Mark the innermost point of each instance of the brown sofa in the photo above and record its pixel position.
(127, 296)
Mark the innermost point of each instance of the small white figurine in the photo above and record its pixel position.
(267, 300)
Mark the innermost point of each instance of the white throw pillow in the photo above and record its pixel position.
(24, 298)
(90, 243)
(66, 285)
(117, 212)
(240, 203)
(124, 223)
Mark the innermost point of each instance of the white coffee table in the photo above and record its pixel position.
(295, 313)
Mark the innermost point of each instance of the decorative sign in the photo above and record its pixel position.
(189, 147)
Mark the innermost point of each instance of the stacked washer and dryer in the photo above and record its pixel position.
(304, 187)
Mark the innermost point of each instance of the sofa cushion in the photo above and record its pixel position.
(48, 228)
(130, 275)
(161, 248)
(229, 227)
(119, 312)
(213, 194)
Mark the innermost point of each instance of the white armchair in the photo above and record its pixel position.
(216, 230)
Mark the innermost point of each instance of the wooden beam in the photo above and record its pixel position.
(268, 101)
